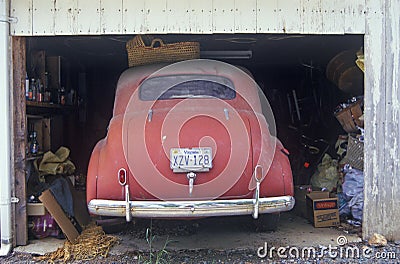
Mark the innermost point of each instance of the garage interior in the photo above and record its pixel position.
(91, 66)
(290, 69)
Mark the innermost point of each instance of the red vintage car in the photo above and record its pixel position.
(189, 140)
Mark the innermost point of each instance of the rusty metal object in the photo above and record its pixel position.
(343, 71)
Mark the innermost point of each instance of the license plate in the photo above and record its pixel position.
(190, 159)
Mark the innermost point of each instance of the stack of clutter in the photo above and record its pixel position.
(342, 176)
(350, 149)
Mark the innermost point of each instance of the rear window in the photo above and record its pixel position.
(186, 86)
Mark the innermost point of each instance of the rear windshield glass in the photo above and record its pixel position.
(186, 86)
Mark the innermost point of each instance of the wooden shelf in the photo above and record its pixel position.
(35, 108)
(47, 105)
(30, 157)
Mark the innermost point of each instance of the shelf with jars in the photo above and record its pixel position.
(40, 100)
(48, 87)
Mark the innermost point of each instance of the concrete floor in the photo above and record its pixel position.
(227, 233)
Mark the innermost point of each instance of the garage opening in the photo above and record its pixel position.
(299, 74)
(88, 68)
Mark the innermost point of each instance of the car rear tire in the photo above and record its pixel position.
(267, 222)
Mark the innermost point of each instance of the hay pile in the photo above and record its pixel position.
(92, 242)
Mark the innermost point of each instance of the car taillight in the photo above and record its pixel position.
(258, 173)
(122, 176)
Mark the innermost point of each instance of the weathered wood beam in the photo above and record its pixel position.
(19, 138)
(382, 109)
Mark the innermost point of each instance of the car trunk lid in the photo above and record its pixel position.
(189, 124)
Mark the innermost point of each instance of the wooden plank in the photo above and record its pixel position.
(311, 15)
(381, 201)
(21, 9)
(391, 180)
(290, 16)
(66, 17)
(201, 16)
(391, 195)
(245, 16)
(175, 16)
(97, 17)
(355, 16)
(179, 16)
(111, 16)
(133, 17)
(59, 215)
(88, 17)
(156, 16)
(43, 17)
(223, 16)
(267, 16)
(374, 114)
(333, 16)
(19, 139)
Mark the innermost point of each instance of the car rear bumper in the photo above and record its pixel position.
(187, 209)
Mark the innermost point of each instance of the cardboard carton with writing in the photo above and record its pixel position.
(322, 209)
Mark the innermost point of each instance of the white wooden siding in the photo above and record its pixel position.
(66, 18)
(333, 17)
(97, 17)
(88, 17)
(223, 16)
(245, 14)
(43, 17)
(155, 16)
(21, 9)
(178, 15)
(382, 120)
(111, 17)
(353, 10)
(133, 17)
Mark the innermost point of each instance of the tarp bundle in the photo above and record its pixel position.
(56, 163)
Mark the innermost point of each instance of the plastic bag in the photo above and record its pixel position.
(326, 176)
(344, 208)
(353, 193)
(353, 182)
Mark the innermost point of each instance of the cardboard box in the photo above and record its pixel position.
(300, 192)
(35, 209)
(322, 209)
(59, 215)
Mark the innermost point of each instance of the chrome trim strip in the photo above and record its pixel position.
(257, 192)
(182, 209)
(256, 200)
(128, 215)
(226, 111)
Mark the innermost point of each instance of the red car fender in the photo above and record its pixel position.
(279, 180)
(91, 190)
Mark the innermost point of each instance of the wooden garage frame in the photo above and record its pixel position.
(377, 20)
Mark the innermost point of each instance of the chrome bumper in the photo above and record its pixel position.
(187, 209)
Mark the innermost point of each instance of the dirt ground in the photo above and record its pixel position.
(224, 240)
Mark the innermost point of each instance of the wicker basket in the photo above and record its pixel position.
(355, 153)
(349, 117)
(140, 54)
